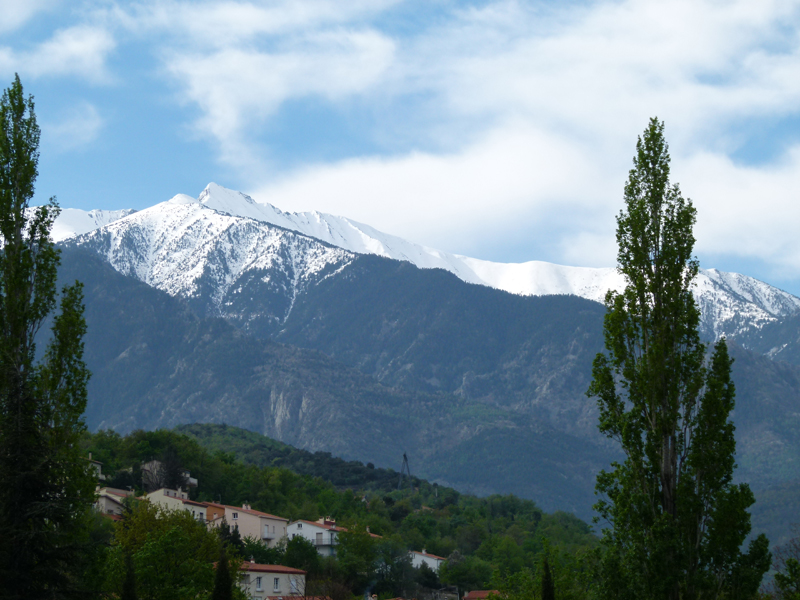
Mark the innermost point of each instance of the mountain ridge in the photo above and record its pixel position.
(731, 304)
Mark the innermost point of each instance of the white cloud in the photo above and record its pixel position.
(80, 51)
(227, 23)
(79, 127)
(440, 200)
(549, 107)
(746, 211)
(517, 114)
(237, 88)
(18, 12)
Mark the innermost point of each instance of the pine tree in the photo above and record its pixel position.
(676, 520)
(46, 487)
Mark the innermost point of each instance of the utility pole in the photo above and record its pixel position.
(404, 468)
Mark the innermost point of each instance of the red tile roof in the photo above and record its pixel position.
(255, 567)
(430, 555)
(193, 503)
(321, 525)
(112, 517)
(257, 513)
(480, 594)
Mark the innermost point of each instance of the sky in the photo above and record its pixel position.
(500, 130)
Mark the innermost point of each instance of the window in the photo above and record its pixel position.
(319, 539)
(258, 584)
(299, 525)
(276, 586)
(235, 515)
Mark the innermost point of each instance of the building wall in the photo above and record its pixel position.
(288, 584)
(417, 559)
(264, 529)
(108, 506)
(174, 500)
(324, 539)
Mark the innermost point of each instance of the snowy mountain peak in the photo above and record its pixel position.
(729, 302)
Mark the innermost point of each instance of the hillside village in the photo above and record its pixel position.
(258, 528)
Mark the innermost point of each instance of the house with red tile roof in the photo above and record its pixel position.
(260, 582)
(109, 501)
(480, 594)
(425, 558)
(322, 533)
(177, 500)
(264, 527)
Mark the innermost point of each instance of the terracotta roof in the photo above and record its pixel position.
(480, 594)
(430, 555)
(192, 502)
(115, 492)
(257, 513)
(255, 567)
(112, 517)
(320, 525)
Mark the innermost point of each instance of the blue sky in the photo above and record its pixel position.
(500, 130)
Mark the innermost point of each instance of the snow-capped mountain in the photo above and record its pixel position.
(224, 233)
(210, 257)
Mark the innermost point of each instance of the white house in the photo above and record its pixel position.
(322, 534)
(109, 501)
(178, 500)
(259, 582)
(264, 527)
(420, 558)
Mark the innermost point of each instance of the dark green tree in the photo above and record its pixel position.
(302, 554)
(129, 583)
(223, 584)
(548, 586)
(46, 487)
(676, 521)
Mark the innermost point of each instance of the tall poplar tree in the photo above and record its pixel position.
(45, 486)
(676, 522)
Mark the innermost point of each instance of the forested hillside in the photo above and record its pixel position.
(486, 539)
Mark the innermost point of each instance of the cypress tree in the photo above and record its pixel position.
(46, 486)
(223, 584)
(129, 583)
(677, 521)
(548, 585)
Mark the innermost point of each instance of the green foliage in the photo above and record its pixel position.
(172, 554)
(47, 489)
(302, 554)
(676, 520)
(788, 582)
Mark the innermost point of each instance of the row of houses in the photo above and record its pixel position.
(268, 529)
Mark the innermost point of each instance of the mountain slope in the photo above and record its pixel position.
(156, 364)
(731, 304)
